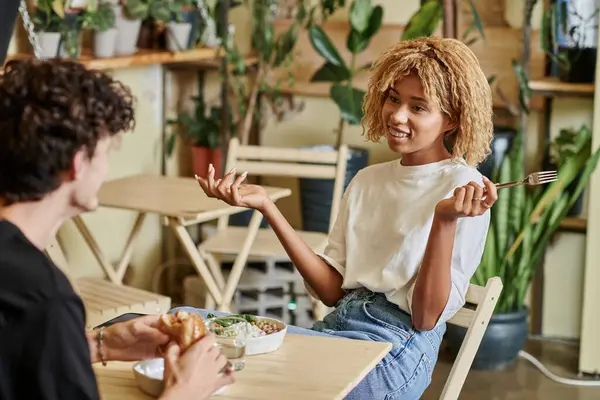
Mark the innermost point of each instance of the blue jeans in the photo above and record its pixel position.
(405, 372)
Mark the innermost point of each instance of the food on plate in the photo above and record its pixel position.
(184, 328)
(256, 327)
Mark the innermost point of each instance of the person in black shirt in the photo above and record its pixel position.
(58, 121)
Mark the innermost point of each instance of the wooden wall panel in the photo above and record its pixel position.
(495, 53)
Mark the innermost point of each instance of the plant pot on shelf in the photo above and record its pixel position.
(148, 36)
(49, 43)
(70, 40)
(128, 32)
(504, 337)
(582, 65)
(105, 43)
(316, 194)
(203, 156)
(178, 35)
(576, 36)
(193, 18)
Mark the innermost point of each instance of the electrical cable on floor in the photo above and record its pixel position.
(550, 375)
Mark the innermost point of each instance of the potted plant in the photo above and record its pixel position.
(365, 22)
(70, 39)
(201, 131)
(568, 143)
(183, 27)
(128, 15)
(150, 36)
(570, 38)
(101, 20)
(48, 26)
(522, 222)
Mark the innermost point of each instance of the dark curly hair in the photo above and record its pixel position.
(48, 111)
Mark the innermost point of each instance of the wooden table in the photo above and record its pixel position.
(304, 367)
(181, 202)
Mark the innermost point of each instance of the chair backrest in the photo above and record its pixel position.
(291, 162)
(476, 322)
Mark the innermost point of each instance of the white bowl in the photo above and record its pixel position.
(267, 343)
(149, 376)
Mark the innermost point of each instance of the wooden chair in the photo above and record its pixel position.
(104, 300)
(476, 322)
(273, 161)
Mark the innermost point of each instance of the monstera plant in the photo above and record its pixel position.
(365, 22)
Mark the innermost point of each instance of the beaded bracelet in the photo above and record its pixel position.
(101, 345)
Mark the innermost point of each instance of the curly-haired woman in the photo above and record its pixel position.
(58, 121)
(410, 232)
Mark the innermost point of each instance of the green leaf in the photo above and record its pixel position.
(349, 100)
(501, 208)
(330, 73)
(170, 145)
(375, 21)
(425, 21)
(360, 11)
(321, 43)
(524, 90)
(285, 44)
(355, 43)
(477, 20)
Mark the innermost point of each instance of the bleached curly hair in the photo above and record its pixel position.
(452, 79)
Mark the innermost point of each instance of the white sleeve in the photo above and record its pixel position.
(469, 243)
(335, 251)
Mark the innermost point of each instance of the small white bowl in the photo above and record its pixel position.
(149, 375)
(267, 343)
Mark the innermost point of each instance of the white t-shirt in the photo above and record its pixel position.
(378, 240)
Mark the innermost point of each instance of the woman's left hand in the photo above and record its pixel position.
(470, 200)
(134, 340)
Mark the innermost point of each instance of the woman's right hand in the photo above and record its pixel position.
(231, 190)
(197, 373)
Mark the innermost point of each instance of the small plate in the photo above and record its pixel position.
(149, 375)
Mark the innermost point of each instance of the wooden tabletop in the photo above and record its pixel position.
(304, 367)
(178, 197)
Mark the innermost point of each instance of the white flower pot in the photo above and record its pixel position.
(128, 32)
(79, 4)
(105, 43)
(49, 42)
(178, 35)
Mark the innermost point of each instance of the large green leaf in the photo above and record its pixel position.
(330, 73)
(360, 11)
(349, 100)
(425, 21)
(375, 21)
(357, 41)
(524, 90)
(321, 43)
(501, 208)
(285, 44)
(517, 195)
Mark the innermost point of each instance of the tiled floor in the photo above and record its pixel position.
(523, 380)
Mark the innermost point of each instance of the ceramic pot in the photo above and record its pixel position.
(105, 43)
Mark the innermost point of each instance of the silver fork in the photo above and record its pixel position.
(535, 178)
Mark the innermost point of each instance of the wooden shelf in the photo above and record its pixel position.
(202, 57)
(555, 88)
(574, 224)
(317, 89)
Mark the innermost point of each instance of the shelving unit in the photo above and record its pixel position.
(552, 87)
(201, 57)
